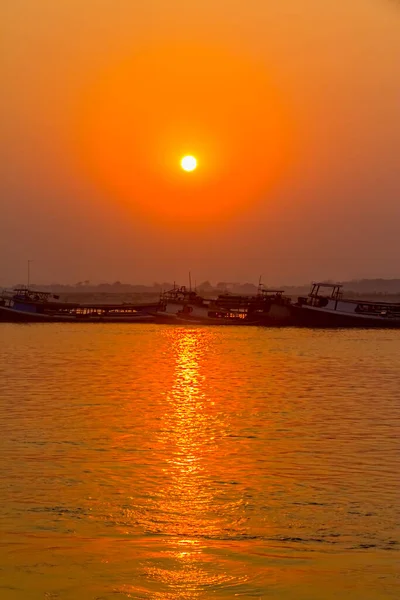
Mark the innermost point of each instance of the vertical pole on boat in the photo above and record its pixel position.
(190, 281)
(29, 272)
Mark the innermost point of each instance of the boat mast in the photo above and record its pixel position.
(29, 272)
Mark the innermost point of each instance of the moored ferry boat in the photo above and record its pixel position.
(183, 306)
(267, 307)
(25, 305)
(326, 307)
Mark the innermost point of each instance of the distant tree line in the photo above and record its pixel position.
(355, 287)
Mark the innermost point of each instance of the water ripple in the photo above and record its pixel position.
(167, 462)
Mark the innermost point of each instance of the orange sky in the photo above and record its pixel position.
(290, 107)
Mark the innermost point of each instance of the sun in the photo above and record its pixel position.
(188, 163)
(181, 159)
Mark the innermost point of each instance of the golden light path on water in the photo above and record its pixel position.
(189, 436)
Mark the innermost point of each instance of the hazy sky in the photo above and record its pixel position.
(292, 108)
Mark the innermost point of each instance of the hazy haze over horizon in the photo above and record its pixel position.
(298, 142)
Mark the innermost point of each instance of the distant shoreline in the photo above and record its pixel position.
(367, 289)
(129, 297)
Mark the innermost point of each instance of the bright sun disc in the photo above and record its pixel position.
(188, 163)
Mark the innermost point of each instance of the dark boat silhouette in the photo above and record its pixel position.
(267, 307)
(326, 307)
(24, 305)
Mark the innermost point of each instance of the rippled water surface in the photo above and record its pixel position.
(144, 461)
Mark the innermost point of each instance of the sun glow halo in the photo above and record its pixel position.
(188, 163)
(216, 144)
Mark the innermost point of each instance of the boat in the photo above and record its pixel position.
(269, 307)
(180, 305)
(215, 316)
(185, 306)
(325, 307)
(24, 305)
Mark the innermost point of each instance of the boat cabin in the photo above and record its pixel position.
(322, 294)
(329, 297)
(24, 294)
(181, 295)
(260, 302)
(26, 299)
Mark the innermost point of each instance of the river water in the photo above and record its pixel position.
(145, 461)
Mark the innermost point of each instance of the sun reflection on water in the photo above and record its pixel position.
(189, 434)
(188, 499)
